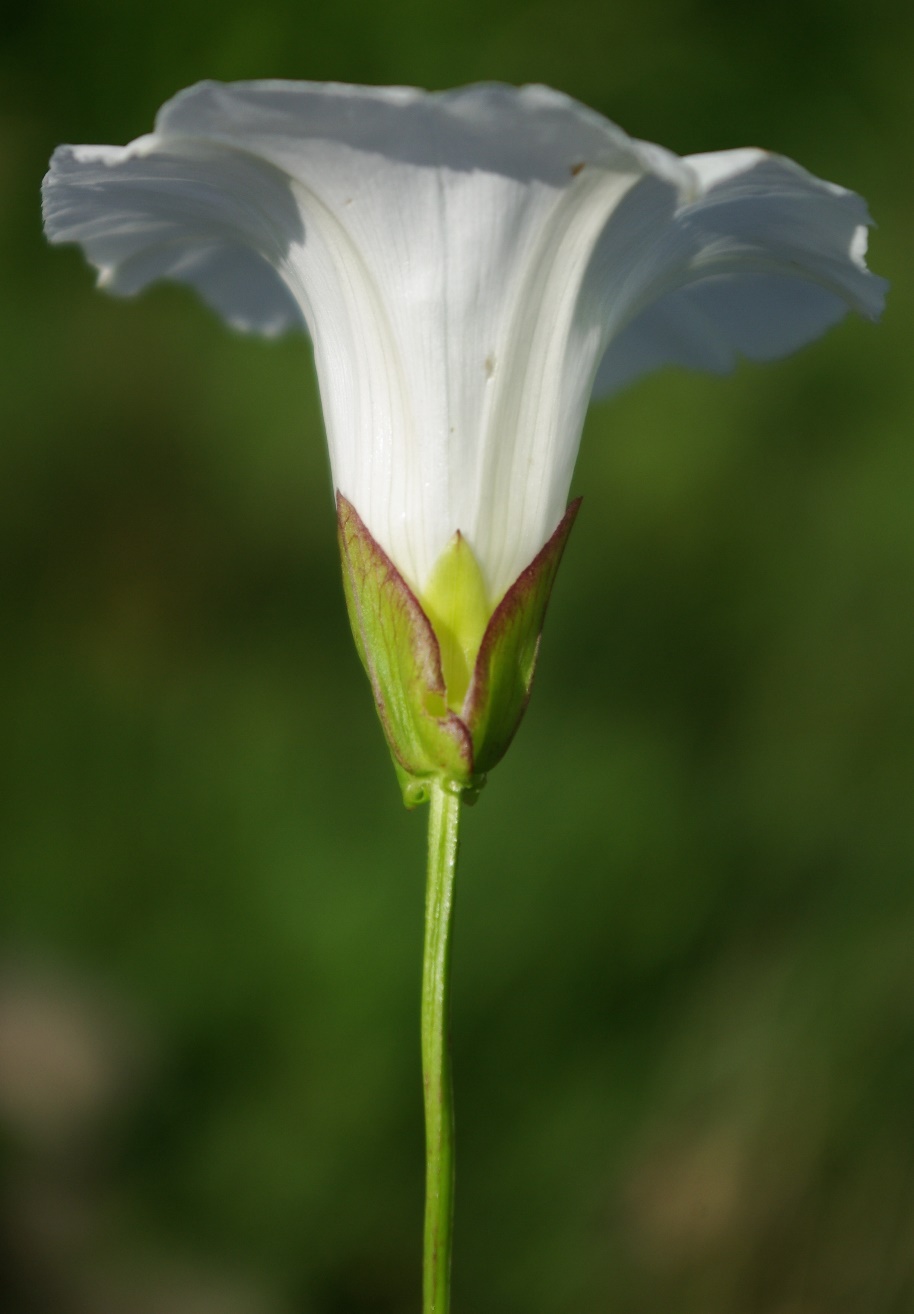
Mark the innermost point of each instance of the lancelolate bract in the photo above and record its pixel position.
(450, 675)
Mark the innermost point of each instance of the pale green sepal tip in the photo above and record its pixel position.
(455, 602)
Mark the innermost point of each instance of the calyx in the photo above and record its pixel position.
(451, 675)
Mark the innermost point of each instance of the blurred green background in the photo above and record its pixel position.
(684, 978)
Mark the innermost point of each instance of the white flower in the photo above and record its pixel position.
(468, 264)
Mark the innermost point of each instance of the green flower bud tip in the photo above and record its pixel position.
(451, 673)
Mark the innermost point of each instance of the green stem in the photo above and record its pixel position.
(436, 1055)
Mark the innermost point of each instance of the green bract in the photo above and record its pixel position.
(450, 678)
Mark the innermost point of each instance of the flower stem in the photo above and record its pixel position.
(436, 1055)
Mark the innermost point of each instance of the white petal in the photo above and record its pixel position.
(211, 217)
(435, 244)
(528, 133)
(762, 259)
(464, 260)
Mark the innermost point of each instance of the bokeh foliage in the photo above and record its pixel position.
(684, 1016)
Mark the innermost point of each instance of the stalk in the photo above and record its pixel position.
(443, 820)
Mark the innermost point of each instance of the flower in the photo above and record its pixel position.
(470, 265)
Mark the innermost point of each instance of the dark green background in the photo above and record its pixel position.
(684, 996)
